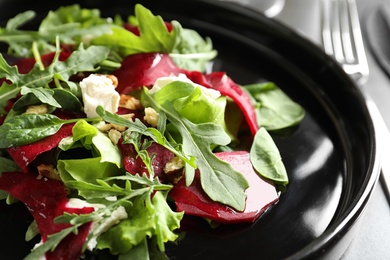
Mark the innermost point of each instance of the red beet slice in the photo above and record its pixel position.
(261, 195)
(46, 199)
(144, 69)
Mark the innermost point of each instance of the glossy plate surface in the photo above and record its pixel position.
(330, 157)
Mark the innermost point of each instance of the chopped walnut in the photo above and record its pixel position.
(48, 171)
(175, 164)
(173, 169)
(129, 102)
(114, 136)
(37, 109)
(151, 116)
(105, 127)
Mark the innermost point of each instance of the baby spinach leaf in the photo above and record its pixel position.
(25, 129)
(266, 159)
(8, 165)
(275, 109)
(28, 128)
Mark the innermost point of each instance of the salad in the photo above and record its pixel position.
(113, 132)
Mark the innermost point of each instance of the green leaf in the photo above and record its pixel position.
(275, 109)
(147, 218)
(44, 95)
(166, 219)
(25, 129)
(87, 170)
(191, 52)
(154, 36)
(192, 102)
(71, 23)
(7, 92)
(139, 127)
(50, 244)
(266, 159)
(80, 60)
(9, 72)
(218, 179)
(8, 165)
(19, 20)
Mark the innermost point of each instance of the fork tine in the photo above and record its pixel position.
(346, 26)
(342, 36)
(326, 27)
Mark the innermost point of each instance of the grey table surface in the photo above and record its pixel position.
(372, 240)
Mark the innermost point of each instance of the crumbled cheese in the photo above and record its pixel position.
(37, 109)
(99, 90)
(115, 217)
(161, 82)
(75, 203)
(151, 116)
(175, 164)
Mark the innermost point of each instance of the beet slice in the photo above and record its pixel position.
(46, 199)
(133, 163)
(261, 195)
(25, 65)
(144, 69)
(26, 154)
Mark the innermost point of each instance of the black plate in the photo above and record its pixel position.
(330, 158)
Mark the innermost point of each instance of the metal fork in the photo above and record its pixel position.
(342, 37)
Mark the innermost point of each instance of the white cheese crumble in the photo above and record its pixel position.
(99, 90)
(161, 82)
(115, 217)
(79, 204)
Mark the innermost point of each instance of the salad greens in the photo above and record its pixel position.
(131, 213)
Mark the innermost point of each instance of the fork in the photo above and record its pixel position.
(342, 37)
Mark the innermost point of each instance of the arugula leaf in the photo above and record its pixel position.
(139, 127)
(45, 95)
(149, 215)
(275, 109)
(154, 36)
(218, 179)
(80, 60)
(191, 51)
(51, 243)
(71, 23)
(266, 159)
